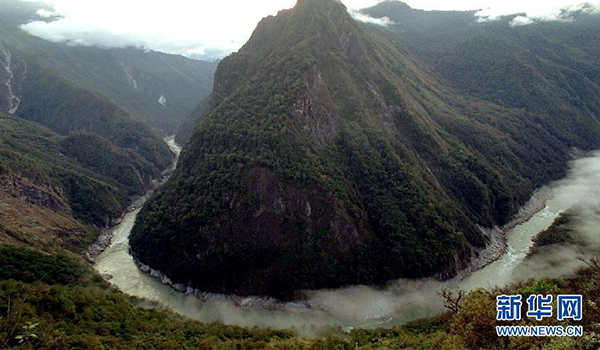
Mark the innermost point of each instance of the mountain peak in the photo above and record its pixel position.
(277, 169)
(320, 9)
(319, 3)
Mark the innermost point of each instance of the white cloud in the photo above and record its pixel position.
(532, 12)
(383, 21)
(212, 29)
(45, 13)
(204, 29)
(192, 28)
(521, 21)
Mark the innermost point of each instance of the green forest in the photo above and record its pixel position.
(96, 178)
(57, 302)
(332, 153)
(132, 78)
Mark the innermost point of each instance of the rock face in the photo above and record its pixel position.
(329, 157)
(162, 100)
(36, 192)
(36, 212)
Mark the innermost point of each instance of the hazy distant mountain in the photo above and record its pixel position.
(549, 69)
(334, 154)
(156, 88)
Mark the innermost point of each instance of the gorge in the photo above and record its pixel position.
(332, 155)
(362, 306)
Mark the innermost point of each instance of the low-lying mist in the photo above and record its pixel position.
(405, 300)
(581, 191)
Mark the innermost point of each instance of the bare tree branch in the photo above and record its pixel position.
(452, 301)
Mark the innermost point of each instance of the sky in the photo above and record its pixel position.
(212, 29)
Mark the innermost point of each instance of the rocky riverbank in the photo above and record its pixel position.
(494, 251)
(105, 239)
(247, 301)
(497, 236)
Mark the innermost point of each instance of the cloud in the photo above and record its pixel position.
(581, 192)
(192, 28)
(199, 29)
(361, 17)
(534, 12)
(521, 21)
(401, 301)
(212, 29)
(43, 13)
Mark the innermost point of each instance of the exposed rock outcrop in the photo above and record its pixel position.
(36, 192)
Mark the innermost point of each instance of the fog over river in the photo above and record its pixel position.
(402, 300)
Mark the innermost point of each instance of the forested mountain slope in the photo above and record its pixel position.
(36, 91)
(549, 69)
(186, 129)
(330, 155)
(55, 190)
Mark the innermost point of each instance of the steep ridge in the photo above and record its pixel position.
(156, 88)
(327, 156)
(46, 97)
(186, 129)
(65, 107)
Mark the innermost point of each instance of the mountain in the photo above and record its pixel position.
(57, 190)
(156, 88)
(186, 129)
(548, 69)
(34, 90)
(41, 94)
(330, 154)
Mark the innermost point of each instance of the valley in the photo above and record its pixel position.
(360, 306)
(344, 178)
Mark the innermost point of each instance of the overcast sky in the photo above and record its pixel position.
(211, 29)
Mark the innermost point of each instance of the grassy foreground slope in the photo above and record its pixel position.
(56, 302)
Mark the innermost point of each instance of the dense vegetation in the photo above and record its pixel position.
(99, 155)
(64, 108)
(330, 155)
(186, 129)
(60, 186)
(88, 176)
(31, 266)
(549, 69)
(54, 302)
(560, 233)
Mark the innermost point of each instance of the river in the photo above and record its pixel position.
(358, 306)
